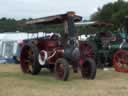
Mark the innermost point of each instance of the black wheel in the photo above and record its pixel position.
(62, 69)
(88, 69)
(29, 59)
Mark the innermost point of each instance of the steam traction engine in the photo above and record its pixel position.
(120, 57)
(110, 48)
(55, 53)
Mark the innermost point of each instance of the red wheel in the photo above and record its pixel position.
(62, 69)
(120, 61)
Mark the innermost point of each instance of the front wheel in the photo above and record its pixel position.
(88, 69)
(62, 69)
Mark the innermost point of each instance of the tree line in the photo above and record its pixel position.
(112, 13)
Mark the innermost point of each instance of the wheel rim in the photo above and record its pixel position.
(120, 61)
(86, 50)
(85, 68)
(27, 59)
(60, 71)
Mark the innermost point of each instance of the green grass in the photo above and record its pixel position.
(14, 83)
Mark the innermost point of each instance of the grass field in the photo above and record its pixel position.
(14, 83)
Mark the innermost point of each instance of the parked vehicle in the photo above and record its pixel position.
(120, 58)
(110, 48)
(57, 53)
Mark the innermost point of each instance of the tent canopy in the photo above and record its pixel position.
(12, 36)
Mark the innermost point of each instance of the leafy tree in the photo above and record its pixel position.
(112, 12)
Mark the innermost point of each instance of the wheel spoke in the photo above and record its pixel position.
(60, 70)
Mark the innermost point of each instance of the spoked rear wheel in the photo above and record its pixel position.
(88, 69)
(29, 59)
(62, 69)
(120, 61)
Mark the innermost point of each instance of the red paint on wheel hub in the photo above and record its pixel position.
(120, 59)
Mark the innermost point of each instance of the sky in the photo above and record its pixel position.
(19, 9)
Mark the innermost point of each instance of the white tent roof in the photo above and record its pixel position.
(2, 35)
(13, 36)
